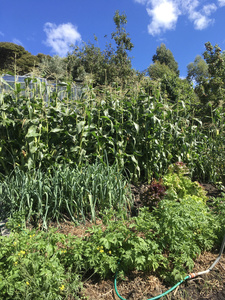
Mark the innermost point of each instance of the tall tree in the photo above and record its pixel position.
(157, 70)
(88, 60)
(165, 70)
(165, 56)
(212, 88)
(123, 44)
(108, 65)
(197, 70)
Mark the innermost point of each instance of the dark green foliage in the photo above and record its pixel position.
(197, 70)
(140, 132)
(217, 206)
(165, 71)
(104, 66)
(165, 56)
(211, 89)
(157, 71)
(90, 60)
(123, 44)
(12, 55)
(176, 89)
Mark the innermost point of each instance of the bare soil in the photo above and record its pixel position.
(141, 286)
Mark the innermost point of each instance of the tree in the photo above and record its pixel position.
(177, 89)
(157, 70)
(88, 60)
(123, 44)
(212, 88)
(54, 68)
(197, 70)
(165, 71)
(105, 66)
(15, 58)
(165, 56)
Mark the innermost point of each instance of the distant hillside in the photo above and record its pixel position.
(25, 61)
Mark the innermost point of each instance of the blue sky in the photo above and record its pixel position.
(50, 26)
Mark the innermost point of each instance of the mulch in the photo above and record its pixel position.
(140, 286)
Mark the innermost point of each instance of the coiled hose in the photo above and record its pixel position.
(190, 276)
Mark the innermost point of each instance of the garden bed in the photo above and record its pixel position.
(157, 245)
(140, 286)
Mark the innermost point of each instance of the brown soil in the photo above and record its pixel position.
(139, 286)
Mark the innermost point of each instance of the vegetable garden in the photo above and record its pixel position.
(75, 159)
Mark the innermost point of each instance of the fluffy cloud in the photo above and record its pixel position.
(165, 13)
(200, 21)
(209, 9)
(221, 2)
(60, 37)
(164, 16)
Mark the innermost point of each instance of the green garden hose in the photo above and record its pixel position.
(157, 297)
(190, 276)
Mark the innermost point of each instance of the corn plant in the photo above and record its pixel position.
(142, 133)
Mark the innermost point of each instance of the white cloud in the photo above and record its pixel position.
(200, 21)
(209, 9)
(221, 2)
(60, 37)
(18, 42)
(200, 17)
(1, 33)
(164, 14)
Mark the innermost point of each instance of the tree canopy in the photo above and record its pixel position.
(165, 56)
(14, 58)
(108, 65)
(211, 88)
(197, 70)
(53, 68)
(157, 70)
(123, 44)
(165, 70)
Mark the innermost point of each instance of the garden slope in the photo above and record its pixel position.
(138, 286)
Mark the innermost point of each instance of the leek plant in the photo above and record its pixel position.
(63, 192)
